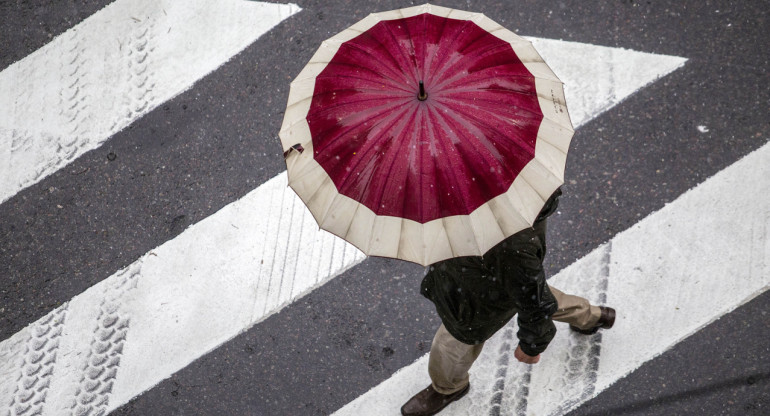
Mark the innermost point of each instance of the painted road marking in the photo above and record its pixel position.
(685, 265)
(87, 84)
(215, 280)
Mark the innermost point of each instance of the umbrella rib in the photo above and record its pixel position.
(553, 172)
(378, 92)
(314, 193)
(447, 84)
(466, 59)
(342, 134)
(444, 148)
(365, 150)
(393, 150)
(512, 211)
(395, 39)
(441, 69)
(418, 186)
(449, 239)
(333, 74)
(337, 197)
(516, 142)
(459, 97)
(428, 63)
(457, 82)
(374, 111)
(456, 181)
(477, 149)
(362, 100)
(440, 143)
(505, 192)
(433, 139)
(471, 88)
(482, 121)
(350, 224)
(393, 68)
(560, 122)
(392, 85)
(414, 51)
(529, 184)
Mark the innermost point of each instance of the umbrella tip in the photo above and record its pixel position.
(422, 96)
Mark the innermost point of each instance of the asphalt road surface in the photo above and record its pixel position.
(96, 220)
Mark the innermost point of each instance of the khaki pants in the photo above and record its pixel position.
(451, 359)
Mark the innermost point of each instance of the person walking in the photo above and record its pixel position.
(475, 296)
(431, 134)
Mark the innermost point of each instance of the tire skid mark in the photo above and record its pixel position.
(37, 363)
(578, 375)
(73, 104)
(510, 390)
(101, 366)
(139, 76)
(521, 398)
(19, 142)
(23, 141)
(510, 394)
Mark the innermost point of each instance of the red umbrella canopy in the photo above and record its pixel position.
(425, 133)
(445, 153)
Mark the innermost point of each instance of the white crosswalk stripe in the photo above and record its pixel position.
(87, 84)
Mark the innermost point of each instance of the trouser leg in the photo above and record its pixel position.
(575, 310)
(450, 361)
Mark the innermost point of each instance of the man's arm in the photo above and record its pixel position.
(536, 305)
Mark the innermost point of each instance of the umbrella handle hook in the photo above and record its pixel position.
(298, 147)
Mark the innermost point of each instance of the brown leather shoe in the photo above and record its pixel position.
(429, 402)
(605, 322)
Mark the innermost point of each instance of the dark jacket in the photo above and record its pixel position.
(476, 296)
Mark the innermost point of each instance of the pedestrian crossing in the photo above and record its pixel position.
(230, 271)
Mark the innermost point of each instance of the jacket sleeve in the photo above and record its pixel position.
(536, 329)
(536, 304)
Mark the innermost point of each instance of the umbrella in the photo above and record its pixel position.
(425, 133)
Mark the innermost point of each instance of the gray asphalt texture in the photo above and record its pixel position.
(212, 144)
